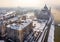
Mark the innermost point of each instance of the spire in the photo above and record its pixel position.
(45, 7)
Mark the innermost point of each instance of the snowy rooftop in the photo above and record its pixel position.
(8, 13)
(39, 26)
(19, 26)
(13, 19)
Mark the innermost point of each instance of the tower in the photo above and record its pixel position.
(45, 7)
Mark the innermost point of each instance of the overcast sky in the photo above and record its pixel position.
(28, 3)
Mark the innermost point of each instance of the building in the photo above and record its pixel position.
(41, 27)
(44, 13)
(17, 32)
(39, 31)
(23, 17)
(2, 29)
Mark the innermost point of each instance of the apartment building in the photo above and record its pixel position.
(16, 31)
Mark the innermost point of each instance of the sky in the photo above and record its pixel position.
(29, 3)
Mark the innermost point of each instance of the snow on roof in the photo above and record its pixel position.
(29, 14)
(38, 26)
(8, 13)
(8, 26)
(13, 19)
(19, 26)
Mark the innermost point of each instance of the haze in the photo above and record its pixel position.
(28, 3)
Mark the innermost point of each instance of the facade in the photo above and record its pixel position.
(18, 31)
(2, 29)
(23, 17)
(44, 13)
